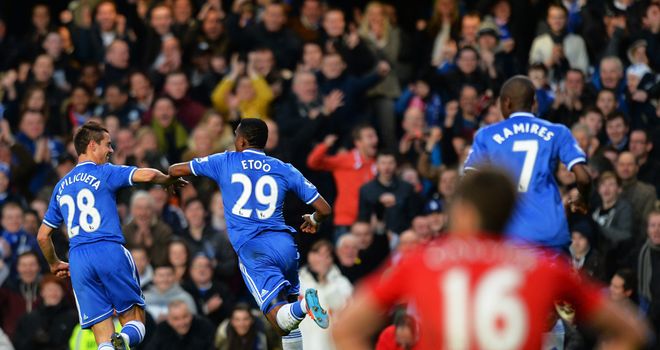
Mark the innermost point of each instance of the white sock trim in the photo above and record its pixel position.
(303, 305)
(106, 346)
(292, 341)
(285, 318)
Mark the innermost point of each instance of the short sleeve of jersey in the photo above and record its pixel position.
(53, 216)
(387, 287)
(304, 189)
(477, 158)
(209, 166)
(570, 152)
(118, 176)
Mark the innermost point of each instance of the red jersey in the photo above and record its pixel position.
(481, 293)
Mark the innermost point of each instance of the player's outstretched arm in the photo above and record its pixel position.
(157, 177)
(180, 169)
(57, 266)
(312, 221)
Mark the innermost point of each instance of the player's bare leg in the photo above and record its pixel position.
(103, 332)
(132, 332)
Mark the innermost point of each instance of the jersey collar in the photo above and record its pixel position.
(254, 151)
(522, 114)
(85, 163)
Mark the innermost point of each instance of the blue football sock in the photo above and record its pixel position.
(134, 331)
(297, 309)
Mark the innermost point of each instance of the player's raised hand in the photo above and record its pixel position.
(330, 140)
(309, 225)
(60, 269)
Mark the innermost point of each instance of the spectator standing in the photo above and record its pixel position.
(640, 195)
(384, 39)
(350, 169)
(559, 50)
(614, 219)
(387, 198)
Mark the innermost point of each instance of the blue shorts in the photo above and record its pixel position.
(269, 265)
(105, 280)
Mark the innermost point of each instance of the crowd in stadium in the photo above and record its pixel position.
(376, 103)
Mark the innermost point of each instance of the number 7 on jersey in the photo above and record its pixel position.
(531, 149)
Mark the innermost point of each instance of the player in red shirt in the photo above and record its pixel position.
(473, 290)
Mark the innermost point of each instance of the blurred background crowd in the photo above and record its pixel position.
(376, 103)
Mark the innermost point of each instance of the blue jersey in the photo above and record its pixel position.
(253, 188)
(85, 200)
(529, 149)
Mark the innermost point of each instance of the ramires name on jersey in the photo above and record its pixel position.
(80, 177)
(526, 128)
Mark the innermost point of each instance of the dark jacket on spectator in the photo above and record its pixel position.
(214, 245)
(284, 43)
(15, 300)
(199, 337)
(46, 328)
(201, 296)
(398, 217)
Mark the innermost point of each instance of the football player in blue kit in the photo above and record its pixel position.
(103, 273)
(253, 188)
(529, 149)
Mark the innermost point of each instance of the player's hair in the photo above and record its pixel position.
(492, 194)
(520, 91)
(255, 132)
(629, 278)
(356, 134)
(90, 131)
(609, 175)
